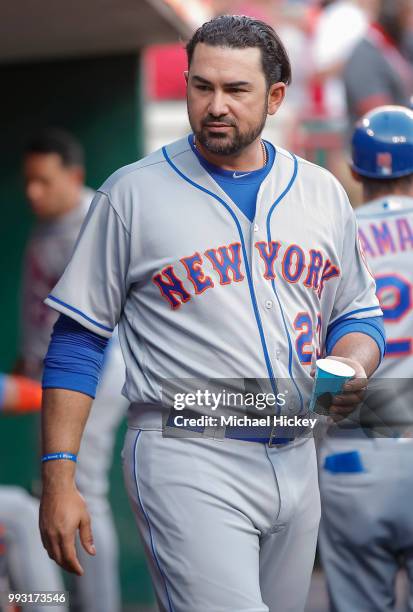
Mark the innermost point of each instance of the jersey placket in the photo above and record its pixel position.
(275, 327)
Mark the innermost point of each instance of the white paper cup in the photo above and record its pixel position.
(330, 378)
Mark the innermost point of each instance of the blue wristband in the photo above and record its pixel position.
(54, 456)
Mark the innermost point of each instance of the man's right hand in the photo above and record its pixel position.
(63, 511)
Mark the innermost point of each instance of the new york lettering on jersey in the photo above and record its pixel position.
(312, 269)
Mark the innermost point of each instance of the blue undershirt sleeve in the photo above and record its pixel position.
(74, 359)
(372, 326)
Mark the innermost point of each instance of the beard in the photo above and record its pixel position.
(227, 144)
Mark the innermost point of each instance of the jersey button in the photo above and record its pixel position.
(256, 228)
(268, 304)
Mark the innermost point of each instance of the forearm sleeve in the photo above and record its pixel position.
(74, 359)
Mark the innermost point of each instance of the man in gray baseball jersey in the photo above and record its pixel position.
(222, 258)
(380, 71)
(366, 477)
(54, 184)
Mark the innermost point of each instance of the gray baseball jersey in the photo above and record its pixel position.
(47, 254)
(168, 255)
(200, 292)
(386, 235)
(366, 480)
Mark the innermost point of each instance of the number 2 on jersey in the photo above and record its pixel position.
(305, 340)
(395, 296)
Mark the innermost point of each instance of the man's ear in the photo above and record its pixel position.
(276, 96)
(78, 174)
(186, 75)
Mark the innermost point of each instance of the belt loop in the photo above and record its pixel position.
(217, 432)
(272, 437)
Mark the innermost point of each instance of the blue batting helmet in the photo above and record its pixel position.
(383, 143)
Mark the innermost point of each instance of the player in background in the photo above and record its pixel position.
(340, 26)
(379, 70)
(366, 478)
(54, 184)
(24, 566)
(19, 394)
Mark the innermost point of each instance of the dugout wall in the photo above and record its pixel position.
(99, 100)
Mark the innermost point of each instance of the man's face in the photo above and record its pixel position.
(227, 97)
(51, 188)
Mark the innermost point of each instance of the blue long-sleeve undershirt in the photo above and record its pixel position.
(74, 359)
(371, 326)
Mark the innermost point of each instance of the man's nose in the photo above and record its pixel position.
(218, 106)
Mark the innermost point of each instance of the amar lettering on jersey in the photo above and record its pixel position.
(391, 236)
(224, 266)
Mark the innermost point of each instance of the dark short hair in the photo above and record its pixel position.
(56, 140)
(375, 188)
(241, 32)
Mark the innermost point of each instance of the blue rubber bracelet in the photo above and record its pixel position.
(54, 456)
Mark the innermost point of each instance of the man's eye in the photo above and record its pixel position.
(203, 87)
